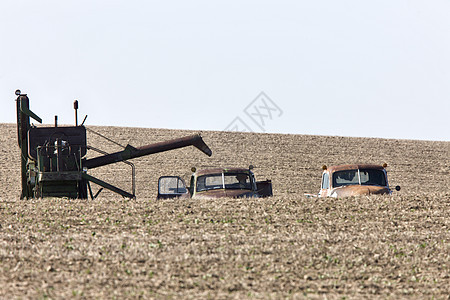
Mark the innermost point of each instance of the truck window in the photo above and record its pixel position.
(348, 177)
(171, 185)
(372, 177)
(364, 176)
(229, 181)
(325, 181)
(209, 182)
(237, 181)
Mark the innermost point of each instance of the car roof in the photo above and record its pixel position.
(222, 170)
(332, 169)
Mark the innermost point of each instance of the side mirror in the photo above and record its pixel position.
(397, 188)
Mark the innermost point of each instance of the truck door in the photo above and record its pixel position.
(172, 187)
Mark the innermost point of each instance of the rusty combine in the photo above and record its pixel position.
(54, 163)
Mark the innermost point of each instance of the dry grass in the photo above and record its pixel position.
(286, 246)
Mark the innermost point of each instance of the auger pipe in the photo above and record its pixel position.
(132, 152)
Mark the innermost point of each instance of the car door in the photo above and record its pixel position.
(170, 187)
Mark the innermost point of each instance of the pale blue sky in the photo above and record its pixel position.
(348, 68)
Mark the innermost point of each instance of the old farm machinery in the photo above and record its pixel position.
(54, 163)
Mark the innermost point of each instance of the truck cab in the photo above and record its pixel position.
(215, 183)
(351, 180)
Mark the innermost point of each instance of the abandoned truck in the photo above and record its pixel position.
(351, 180)
(215, 183)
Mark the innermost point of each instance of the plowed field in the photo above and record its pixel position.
(285, 246)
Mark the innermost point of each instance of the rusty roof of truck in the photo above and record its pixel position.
(332, 169)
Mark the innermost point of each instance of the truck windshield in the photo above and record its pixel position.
(366, 177)
(229, 181)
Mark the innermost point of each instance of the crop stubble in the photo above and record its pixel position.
(284, 246)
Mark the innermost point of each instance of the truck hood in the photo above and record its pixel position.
(354, 190)
(221, 193)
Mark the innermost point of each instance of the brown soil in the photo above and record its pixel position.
(286, 246)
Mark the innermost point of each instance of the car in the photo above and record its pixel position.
(215, 183)
(352, 180)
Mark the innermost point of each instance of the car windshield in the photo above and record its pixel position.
(366, 177)
(229, 181)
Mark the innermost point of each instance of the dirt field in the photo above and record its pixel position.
(286, 246)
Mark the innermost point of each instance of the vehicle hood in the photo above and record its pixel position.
(221, 193)
(354, 190)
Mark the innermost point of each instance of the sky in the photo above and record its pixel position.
(324, 67)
